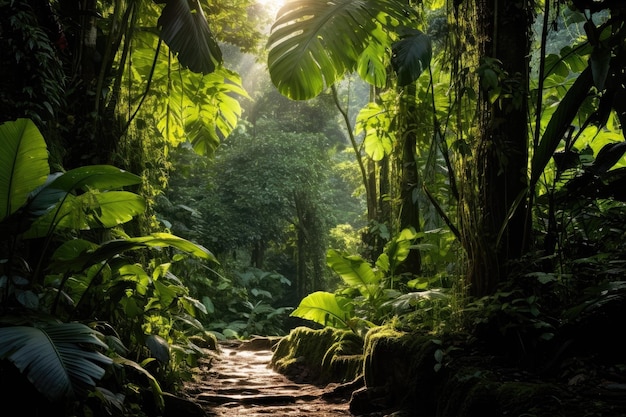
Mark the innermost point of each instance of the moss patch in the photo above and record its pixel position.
(401, 367)
(321, 356)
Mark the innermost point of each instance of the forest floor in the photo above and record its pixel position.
(238, 381)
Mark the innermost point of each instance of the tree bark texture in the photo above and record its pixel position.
(502, 154)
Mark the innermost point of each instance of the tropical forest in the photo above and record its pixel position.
(312, 208)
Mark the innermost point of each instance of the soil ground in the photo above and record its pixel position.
(238, 381)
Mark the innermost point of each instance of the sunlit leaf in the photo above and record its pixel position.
(23, 163)
(313, 43)
(323, 308)
(353, 269)
(375, 122)
(185, 30)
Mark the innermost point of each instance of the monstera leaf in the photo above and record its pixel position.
(185, 30)
(313, 43)
(58, 359)
(411, 55)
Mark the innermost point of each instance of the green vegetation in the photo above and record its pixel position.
(400, 177)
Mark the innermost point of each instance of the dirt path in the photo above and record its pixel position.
(239, 382)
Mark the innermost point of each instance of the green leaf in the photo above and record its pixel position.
(55, 358)
(372, 65)
(73, 212)
(323, 308)
(374, 120)
(156, 390)
(609, 155)
(89, 210)
(101, 177)
(399, 247)
(185, 30)
(600, 63)
(23, 163)
(116, 207)
(159, 348)
(214, 109)
(411, 55)
(559, 123)
(113, 248)
(354, 271)
(313, 43)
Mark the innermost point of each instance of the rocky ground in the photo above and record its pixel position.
(239, 382)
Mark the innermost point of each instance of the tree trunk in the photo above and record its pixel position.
(409, 205)
(502, 156)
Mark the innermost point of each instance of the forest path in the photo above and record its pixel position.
(240, 382)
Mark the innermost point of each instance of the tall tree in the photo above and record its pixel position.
(503, 31)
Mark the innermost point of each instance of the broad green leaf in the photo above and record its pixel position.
(372, 65)
(202, 110)
(101, 177)
(353, 270)
(554, 64)
(71, 249)
(185, 30)
(608, 156)
(54, 358)
(165, 293)
(560, 121)
(69, 214)
(600, 63)
(87, 211)
(323, 308)
(113, 248)
(134, 272)
(399, 247)
(157, 392)
(411, 55)
(23, 163)
(45, 197)
(159, 348)
(313, 43)
(115, 207)
(374, 121)
(208, 304)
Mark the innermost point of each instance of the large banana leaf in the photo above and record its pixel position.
(185, 30)
(55, 358)
(397, 250)
(73, 256)
(323, 308)
(101, 177)
(313, 43)
(354, 271)
(23, 163)
(88, 210)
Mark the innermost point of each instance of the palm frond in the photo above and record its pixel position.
(54, 357)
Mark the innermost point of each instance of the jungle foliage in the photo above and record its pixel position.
(401, 164)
